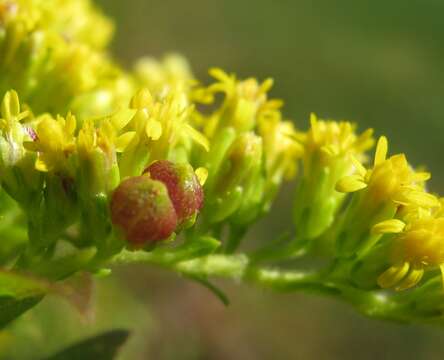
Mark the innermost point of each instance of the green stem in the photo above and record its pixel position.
(376, 304)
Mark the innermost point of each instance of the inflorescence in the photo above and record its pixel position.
(100, 166)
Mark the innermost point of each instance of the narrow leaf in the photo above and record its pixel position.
(104, 347)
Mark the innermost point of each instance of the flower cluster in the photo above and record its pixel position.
(100, 166)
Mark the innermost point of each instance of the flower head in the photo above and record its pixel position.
(281, 146)
(328, 141)
(54, 142)
(244, 101)
(160, 77)
(159, 126)
(418, 247)
(329, 147)
(13, 132)
(388, 189)
(391, 179)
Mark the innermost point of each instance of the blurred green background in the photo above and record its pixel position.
(379, 63)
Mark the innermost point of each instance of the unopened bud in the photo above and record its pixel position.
(142, 209)
(183, 186)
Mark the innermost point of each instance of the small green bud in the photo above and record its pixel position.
(142, 209)
(238, 172)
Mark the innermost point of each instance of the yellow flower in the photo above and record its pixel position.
(12, 131)
(244, 102)
(163, 123)
(105, 134)
(417, 248)
(54, 142)
(390, 179)
(327, 141)
(281, 148)
(160, 77)
(329, 147)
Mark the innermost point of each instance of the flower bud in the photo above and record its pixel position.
(183, 186)
(142, 209)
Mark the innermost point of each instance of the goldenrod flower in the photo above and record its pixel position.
(417, 248)
(159, 126)
(281, 147)
(329, 148)
(243, 104)
(389, 187)
(12, 131)
(391, 179)
(55, 59)
(328, 141)
(173, 72)
(54, 142)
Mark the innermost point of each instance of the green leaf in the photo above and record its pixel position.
(11, 308)
(19, 286)
(102, 347)
(213, 288)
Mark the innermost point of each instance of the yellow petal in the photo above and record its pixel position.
(153, 129)
(393, 275)
(42, 165)
(392, 226)
(350, 184)
(202, 175)
(381, 150)
(219, 74)
(330, 150)
(70, 125)
(122, 117)
(420, 198)
(413, 278)
(360, 169)
(124, 140)
(441, 267)
(197, 137)
(314, 127)
(266, 85)
(422, 176)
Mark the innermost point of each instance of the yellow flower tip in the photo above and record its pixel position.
(358, 167)
(197, 136)
(202, 175)
(123, 141)
(412, 279)
(10, 110)
(381, 150)
(418, 197)
(441, 267)
(422, 176)
(313, 121)
(400, 277)
(54, 141)
(392, 226)
(350, 184)
(266, 85)
(335, 141)
(142, 99)
(393, 275)
(153, 129)
(219, 74)
(416, 249)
